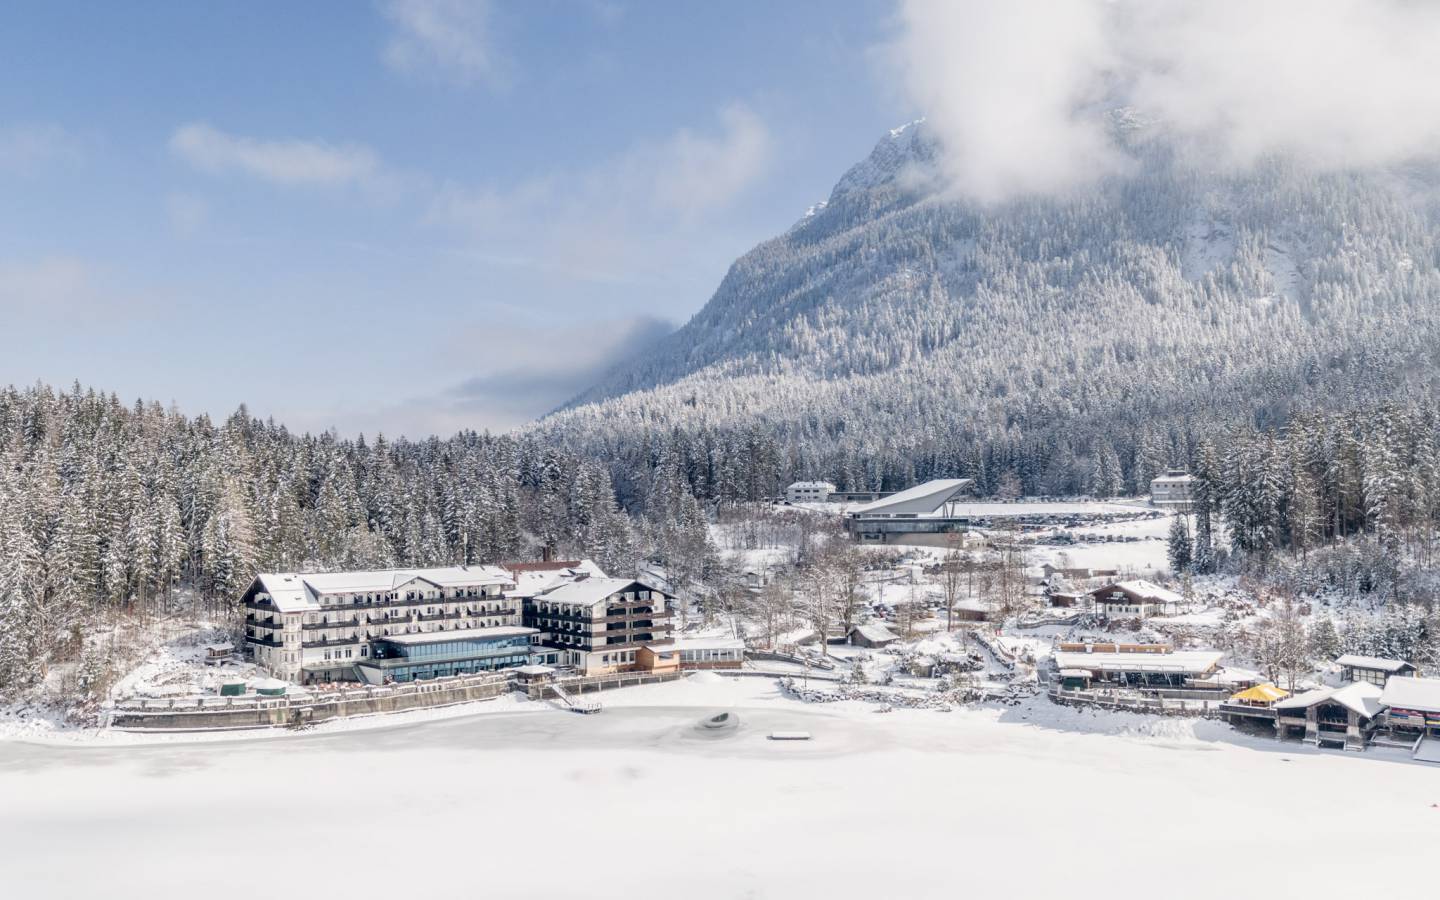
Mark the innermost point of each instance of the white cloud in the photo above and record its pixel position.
(285, 161)
(446, 39)
(618, 219)
(694, 174)
(1015, 90)
(26, 147)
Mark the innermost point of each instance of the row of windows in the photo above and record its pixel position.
(460, 593)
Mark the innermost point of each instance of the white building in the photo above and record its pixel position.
(809, 492)
(1173, 490)
(387, 625)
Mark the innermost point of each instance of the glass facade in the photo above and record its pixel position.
(460, 656)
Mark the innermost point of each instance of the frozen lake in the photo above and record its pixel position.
(535, 802)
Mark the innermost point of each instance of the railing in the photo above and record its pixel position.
(347, 623)
(337, 642)
(340, 693)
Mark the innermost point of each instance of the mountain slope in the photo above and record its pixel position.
(895, 330)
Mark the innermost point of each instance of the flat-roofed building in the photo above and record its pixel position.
(710, 652)
(809, 492)
(330, 626)
(1173, 490)
(1138, 668)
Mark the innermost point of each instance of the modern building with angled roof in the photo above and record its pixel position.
(925, 514)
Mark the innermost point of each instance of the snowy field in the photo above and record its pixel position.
(521, 800)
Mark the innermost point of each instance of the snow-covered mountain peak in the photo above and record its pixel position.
(904, 152)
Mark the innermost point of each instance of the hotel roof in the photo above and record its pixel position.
(590, 591)
(292, 591)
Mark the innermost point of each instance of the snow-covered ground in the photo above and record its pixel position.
(523, 800)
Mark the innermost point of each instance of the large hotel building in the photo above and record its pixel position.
(398, 625)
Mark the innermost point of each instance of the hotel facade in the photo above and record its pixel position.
(392, 625)
(399, 625)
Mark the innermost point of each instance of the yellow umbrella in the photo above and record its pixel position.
(1261, 693)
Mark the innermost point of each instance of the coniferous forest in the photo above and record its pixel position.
(1275, 332)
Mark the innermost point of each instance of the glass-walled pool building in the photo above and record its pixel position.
(408, 657)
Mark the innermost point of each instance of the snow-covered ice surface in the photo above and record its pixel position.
(522, 800)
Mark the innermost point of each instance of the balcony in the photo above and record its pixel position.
(345, 623)
(339, 642)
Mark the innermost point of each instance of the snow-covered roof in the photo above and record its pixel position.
(1185, 662)
(222, 647)
(921, 499)
(1361, 697)
(466, 634)
(532, 578)
(1305, 699)
(1140, 588)
(813, 486)
(876, 633)
(292, 591)
(709, 643)
(1173, 479)
(590, 591)
(1412, 693)
(1372, 662)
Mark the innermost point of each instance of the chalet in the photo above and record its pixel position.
(1173, 490)
(809, 492)
(1345, 716)
(1140, 666)
(1373, 669)
(1132, 599)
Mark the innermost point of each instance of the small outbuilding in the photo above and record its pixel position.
(1374, 669)
(873, 635)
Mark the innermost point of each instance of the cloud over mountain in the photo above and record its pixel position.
(1017, 91)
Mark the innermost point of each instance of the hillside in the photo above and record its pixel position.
(896, 332)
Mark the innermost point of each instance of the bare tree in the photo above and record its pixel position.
(956, 569)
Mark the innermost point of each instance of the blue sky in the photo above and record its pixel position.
(402, 216)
